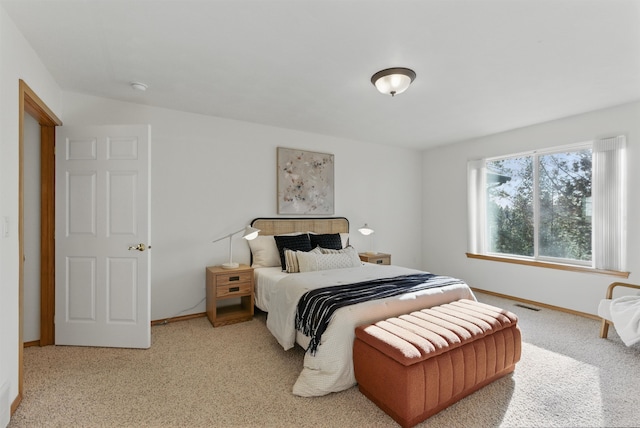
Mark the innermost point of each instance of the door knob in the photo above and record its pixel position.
(139, 247)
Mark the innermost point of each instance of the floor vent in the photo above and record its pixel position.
(531, 308)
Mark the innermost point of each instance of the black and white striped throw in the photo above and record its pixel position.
(316, 307)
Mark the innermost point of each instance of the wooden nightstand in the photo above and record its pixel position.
(377, 258)
(225, 284)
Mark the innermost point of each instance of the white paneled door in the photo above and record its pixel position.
(102, 236)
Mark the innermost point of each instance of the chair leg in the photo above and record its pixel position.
(604, 329)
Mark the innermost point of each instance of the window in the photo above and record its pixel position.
(564, 205)
(551, 191)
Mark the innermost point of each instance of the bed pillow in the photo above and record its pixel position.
(291, 258)
(344, 238)
(292, 242)
(327, 240)
(346, 258)
(348, 249)
(264, 251)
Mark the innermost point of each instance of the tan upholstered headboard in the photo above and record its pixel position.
(281, 225)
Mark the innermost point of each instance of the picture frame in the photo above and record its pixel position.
(305, 182)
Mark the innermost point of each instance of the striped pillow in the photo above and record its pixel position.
(293, 242)
(291, 258)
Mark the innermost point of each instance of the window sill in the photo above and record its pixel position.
(548, 265)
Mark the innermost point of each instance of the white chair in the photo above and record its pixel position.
(604, 309)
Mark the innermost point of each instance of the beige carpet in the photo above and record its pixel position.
(237, 375)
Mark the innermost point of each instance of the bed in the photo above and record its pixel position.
(277, 292)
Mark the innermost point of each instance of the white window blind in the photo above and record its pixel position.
(476, 194)
(609, 203)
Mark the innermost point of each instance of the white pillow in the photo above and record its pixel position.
(348, 249)
(265, 252)
(291, 258)
(345, 258)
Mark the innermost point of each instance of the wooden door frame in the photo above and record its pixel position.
(31, 104)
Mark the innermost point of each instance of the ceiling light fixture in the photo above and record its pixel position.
(393, 81)
(139, 86)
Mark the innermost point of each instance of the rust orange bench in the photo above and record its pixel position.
(414, 365)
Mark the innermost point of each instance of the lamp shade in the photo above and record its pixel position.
(393, 81)
(366, 230)
(250, 233)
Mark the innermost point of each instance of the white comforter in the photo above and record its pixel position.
(331, 368)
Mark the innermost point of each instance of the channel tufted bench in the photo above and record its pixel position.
(414, 365)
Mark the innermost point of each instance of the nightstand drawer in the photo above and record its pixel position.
(230, 290)
(233, 278)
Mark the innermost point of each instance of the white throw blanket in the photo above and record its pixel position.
(625, 314)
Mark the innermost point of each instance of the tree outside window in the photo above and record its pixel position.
(539, 205)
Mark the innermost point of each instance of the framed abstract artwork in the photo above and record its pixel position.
(305, 182)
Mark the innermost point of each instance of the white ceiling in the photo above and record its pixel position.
(483, 66)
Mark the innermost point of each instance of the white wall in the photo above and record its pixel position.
(445, 210)
(17, 61)
(211, 176)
